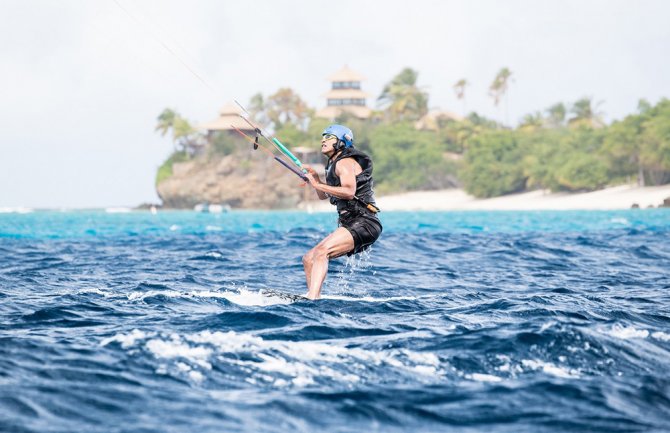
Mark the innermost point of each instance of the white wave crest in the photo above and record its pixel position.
(550, 368)
(176, 348)
(240, 297)
(250, 298)
(126, 340)
(661, 336)
(96, 291)
(275, 362)
(480, 377)
(626, 333)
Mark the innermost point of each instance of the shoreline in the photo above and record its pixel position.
(611, 198)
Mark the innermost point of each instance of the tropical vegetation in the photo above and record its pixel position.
(565, 147)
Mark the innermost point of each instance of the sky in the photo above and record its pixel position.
(82, 81)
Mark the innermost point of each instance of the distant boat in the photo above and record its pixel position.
(211, 208)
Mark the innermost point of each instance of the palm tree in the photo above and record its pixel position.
(183, 134)
(556, 115)
(459, 88)
(532, 122)
(166, 122)
(585, 113)
(402, 98)
(498, 89)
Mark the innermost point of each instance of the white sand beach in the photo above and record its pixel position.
(617, 197)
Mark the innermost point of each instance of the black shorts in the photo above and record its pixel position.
(364, 229)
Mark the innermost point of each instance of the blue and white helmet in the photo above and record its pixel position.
(343, 134)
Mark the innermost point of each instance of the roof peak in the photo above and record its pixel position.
(230, 109)
(346, 74)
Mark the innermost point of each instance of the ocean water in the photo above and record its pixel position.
(454, 321)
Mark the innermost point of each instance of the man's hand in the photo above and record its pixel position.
(312, 175)
(314, 181)
(310, 170)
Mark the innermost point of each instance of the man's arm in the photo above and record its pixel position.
(346, 171)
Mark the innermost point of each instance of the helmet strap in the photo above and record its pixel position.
(337, 150)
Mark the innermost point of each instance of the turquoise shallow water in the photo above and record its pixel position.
(458, 321)
(54, 225)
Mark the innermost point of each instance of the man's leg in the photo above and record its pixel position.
(307, 264)
(315, 261)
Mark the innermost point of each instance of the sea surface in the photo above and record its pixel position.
(453, 322)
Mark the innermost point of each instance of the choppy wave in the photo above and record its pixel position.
(542, 322)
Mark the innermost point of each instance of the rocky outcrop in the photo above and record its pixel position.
(250, 183)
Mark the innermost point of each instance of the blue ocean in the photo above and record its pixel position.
(452, 322)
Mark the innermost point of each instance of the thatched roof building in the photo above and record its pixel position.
(228, 117)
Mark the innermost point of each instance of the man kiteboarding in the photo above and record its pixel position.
(349, 187)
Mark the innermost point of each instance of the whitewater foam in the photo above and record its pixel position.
(250, 298)
(95, 291)
(661, 336)
(276, 362)
(242, 297)
(627, 332)
(176, 348)
(550, 368)
(480, 377)
(630, 332)
(126, 340)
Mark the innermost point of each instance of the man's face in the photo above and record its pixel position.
(328, 142)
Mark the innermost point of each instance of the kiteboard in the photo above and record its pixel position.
(282, 295)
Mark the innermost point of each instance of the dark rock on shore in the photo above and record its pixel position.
(148, 206)
(256, 182)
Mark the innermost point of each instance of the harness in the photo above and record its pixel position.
(363, 202)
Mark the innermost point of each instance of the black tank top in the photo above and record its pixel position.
(364, 182)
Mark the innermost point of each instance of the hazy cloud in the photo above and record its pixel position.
(81, 82)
